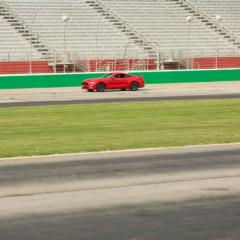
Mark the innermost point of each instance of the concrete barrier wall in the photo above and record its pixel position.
(73, 80)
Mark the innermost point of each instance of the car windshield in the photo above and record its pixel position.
(108, 75)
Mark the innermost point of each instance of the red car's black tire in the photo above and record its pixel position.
(134, 86)
(100, 87)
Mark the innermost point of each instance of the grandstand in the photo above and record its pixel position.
(165, 24)
(13, 46)
(119, 34)
(230, 10)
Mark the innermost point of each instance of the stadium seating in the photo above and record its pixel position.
(229, 10)
(90, 35)
(165, 24)
(87, 34)
(12, 46)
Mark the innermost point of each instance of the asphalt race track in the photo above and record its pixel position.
(157, 194)
(179, 193)
(120, 100)
(60, 96)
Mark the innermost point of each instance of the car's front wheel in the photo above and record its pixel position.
(134, 86)
(101, 87)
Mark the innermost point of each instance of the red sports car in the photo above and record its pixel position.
(117, 80)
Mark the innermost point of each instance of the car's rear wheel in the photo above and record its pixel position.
(101, 87)
(134, 86)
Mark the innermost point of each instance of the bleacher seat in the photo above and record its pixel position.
(90, 36)
(228, 9)
(13, 46)
(165, 23)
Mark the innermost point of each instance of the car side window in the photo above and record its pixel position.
(118, 75)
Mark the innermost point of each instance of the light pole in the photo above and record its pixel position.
(126, 49)
(33, 21)
(65, 19)
(189, 20)
(217, 19)
(98, 28)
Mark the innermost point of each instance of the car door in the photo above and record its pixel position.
(126, 82)
(118, 81)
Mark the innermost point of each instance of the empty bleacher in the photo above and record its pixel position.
(13, 46)
(228, 9)
(89, 35)
(165, 23)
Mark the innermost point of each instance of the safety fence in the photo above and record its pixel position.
(27, 63)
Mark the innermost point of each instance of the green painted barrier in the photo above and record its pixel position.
(192, 76)
(43, 81)
(73, 80)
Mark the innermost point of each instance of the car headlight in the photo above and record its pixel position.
(92, 83)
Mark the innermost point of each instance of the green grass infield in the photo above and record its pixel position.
(99, 127)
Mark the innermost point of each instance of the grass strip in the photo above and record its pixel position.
(82, 128)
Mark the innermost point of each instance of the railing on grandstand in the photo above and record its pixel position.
(168, 60)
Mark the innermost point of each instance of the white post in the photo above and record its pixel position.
(217, 19)
(189, 20)
(30, 61)
(65, 20)
(33, 21)
(125, 51)
(158, 60)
